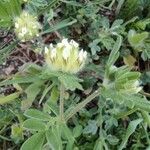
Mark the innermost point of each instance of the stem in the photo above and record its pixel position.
(45, 92)
(146, 117)
(111, 4)
(82, 104)
(145, 94)
(4, 138)
(147, 136)
(61, 105)
(56, 32)
(120, 3)
(125, 114)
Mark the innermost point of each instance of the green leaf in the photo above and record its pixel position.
(142, 24)
(124, 114)
(16, 133)
(129, 60)
(3, 12)
(32, 91)
(98, 145)
(130, 130)
(115, 52)
(146, 52)
(91, 128)
(77, 131)
(116, 24)
(36, 114)
(46, 90)
(67, 134)
(54, 140)
(9, 10)
(9, 98)
(107, 42)
(136, 40)
(31, 68)
(73, 3)
(113, 140)
(20, 79)
(94, 46)
(34, 6)
(70, 82)
(141, 103)
(52, 107)
(52, 4)
(6, 50)
(54, 95)
(128, 100)
(146, 77)
(35, 142)
(146, 117)
(130, 9)
(34, 125)
(60, 25)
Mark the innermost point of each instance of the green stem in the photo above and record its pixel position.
(45, 92)
(82, 104)
(120, 3)
(147, 136)
(5, 138)
(111, 4)
(61, 105)
(125, 114)
(145, 94)
(146, 117)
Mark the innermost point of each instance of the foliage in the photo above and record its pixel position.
(103, 106)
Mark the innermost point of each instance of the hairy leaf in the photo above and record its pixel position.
(34, 142)
(36, 114)
(131, 128)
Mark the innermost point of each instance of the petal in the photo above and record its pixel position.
(65, 42)
(24, 30)
(66, 53)
(75, 44)
(81, 55)
(53, 53)
(16, 25)
(85, 55)
(51, 46)
(46, 50)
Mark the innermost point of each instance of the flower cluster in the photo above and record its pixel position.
(65, 57)
(26, 26)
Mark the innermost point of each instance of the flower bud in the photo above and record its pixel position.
(131, 87)
(65, 57)
(123, 80)
(26, 26)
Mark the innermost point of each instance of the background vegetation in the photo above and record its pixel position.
(113, 32)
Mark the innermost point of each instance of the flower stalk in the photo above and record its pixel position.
(61, 102)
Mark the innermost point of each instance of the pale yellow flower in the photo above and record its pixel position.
(26, 26)
(65, 57)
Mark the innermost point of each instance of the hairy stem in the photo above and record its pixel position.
(82, 104)
(61, 104)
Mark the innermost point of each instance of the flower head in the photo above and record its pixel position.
(65, 56)
(26, 26)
